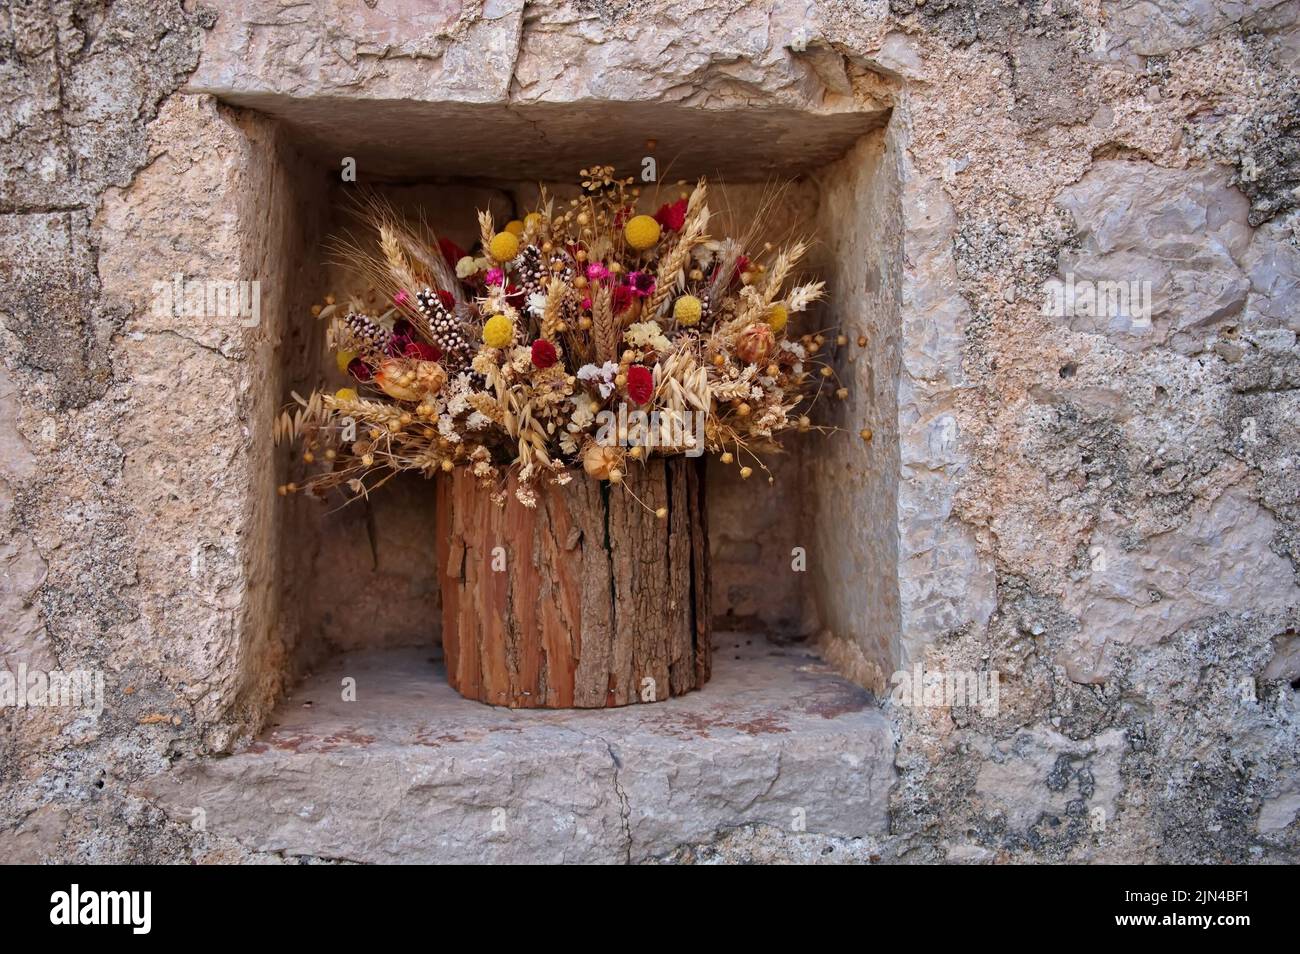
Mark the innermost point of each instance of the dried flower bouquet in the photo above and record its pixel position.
(588, 335)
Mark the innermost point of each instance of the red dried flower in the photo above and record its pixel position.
(640, 383)
(543, 354)
(359, 369)
(622, 298)
(422, 351)
(672, 215)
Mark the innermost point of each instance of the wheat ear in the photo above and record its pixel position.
(605, 325)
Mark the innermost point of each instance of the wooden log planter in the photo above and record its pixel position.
(587, 601)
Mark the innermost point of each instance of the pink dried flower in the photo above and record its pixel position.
(642, 284)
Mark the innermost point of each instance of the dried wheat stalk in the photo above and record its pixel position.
(805, 295)
(672, 267)
(398, 261)
(606, 326)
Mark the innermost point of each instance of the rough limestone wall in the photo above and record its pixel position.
(854, 569)
(1084, 136)
(1142, 528)
(106, 466)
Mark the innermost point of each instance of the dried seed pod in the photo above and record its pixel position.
(755, 343)
(600, 462)
(429, 377)
(390, 378)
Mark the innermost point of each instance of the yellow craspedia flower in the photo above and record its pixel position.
(504, 247)
(515, 227)
(343, 359)
(777, 317)
(687, 310)
(641, 232)
(345, 394)
(499, 330)
(533, 220)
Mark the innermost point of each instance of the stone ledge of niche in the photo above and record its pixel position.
(411, 772)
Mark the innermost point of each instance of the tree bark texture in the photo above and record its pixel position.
(587, 601)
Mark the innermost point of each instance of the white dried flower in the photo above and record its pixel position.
(603, 376)
(647, 334)
(447, 428)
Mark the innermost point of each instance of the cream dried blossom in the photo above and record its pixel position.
(647, 334)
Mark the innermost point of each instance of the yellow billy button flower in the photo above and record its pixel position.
(533, 220)
(687, 310)
(343, 359)
(499, 330)
(515, 227)
(504, 246)
(641, 232)
(777, 318)
(345, 394)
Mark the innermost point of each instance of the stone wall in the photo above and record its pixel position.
(1103, 513)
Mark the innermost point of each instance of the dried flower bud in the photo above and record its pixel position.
(600, 462)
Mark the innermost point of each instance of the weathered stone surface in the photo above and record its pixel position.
(412, 772)
(420, 51)
(944, 581)
(1184, 235)
(142, 537)
(1041, 777)
(1135, 596)
(1160, 27)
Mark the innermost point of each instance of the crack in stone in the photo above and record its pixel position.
(625, 806)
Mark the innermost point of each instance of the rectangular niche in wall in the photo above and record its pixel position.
(813, 550)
